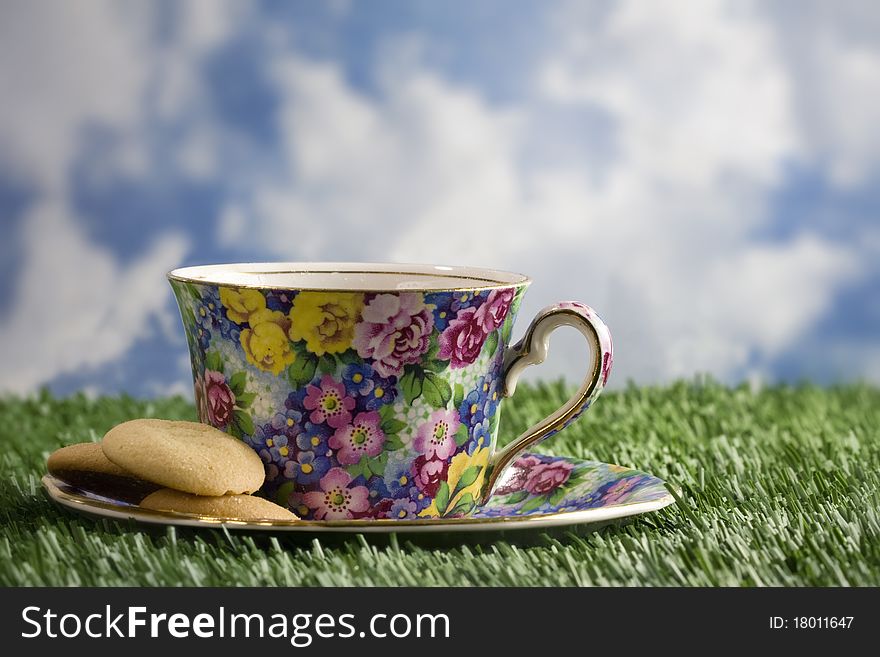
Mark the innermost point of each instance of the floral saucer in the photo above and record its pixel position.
(537, 491)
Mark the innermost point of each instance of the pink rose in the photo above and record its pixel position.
(462, 340)
(394, 331)
(219, 400)
(546, 477)
(428, 474)
(492, 313)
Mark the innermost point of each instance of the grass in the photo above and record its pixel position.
(779, 488)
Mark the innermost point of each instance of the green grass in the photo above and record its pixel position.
(779, 487)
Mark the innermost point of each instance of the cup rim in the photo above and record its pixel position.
(224, 274)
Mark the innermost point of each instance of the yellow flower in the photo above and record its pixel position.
(241, 304)
(265, 343)
(460, 463)
(325, 320)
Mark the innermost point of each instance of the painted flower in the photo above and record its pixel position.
(471, 409)
(362, 437)
(325, 320)
(329, 403)
(280, 300)
(428, 473)
(617, 491)
(481, 436)
(547, 477)
(398, 474)
(370, 390)
(462, 340)
(315, 438)
(359, 378)
(307, 468)
(436, 437)
(441, 302)
(515, 478)
(265, 343)
(461, 487)
(403, 509)
(492, 313)
(219, 400)
(288, 422)
(395, 331)
(241, 304)
(335, 500)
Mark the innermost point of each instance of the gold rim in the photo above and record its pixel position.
(65, 498)
(482, 282)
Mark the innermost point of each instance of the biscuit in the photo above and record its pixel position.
(84, 465)
(83, 457)
(230, 507)
(186, 456)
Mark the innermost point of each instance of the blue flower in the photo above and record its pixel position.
(359, 379)
(314, 437)
(443, 312)
(289, 423)
(480, 437)
(403, 509)
(471, 410)
(307, 469)
(280, 300)
(370, 390)
(398, 475)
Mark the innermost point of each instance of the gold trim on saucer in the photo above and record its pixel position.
(89, 506)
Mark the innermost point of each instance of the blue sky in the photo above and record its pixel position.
(704, 174)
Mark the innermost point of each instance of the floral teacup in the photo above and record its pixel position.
(372, 391)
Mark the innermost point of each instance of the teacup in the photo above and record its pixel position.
(372, 391)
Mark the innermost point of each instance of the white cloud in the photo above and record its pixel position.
(659, 236)
(76, 305)
(62, 70)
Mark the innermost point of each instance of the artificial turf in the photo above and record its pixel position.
(779, 487)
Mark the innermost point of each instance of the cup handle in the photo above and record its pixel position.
(531, 350)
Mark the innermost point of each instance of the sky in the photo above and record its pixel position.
(704, 174)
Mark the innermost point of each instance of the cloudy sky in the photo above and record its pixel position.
(705, 174)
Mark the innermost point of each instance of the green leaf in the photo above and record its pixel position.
(283, 493)
(348, 357)
(491, 343)
(327, 364)
(468, 477)
(493, 422)
(533, 503)
(193, 291)
(245, 399)
(458, 396)
(507, 328)
(436, 390)
(392, 426)
(213, 362)
(376, 466)
(557, 495)
(464, 505)
(234, 430)
(442, 497)
(244, 422)
(302, 370)
(411, 383)
(357, 469)
(517, 497)
(393, 443)
(237, 382)
(462, 435)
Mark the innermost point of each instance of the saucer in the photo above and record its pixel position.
(537, 491)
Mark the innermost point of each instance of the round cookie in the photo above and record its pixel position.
(186, 456)
(231, 507)
(83, 457)
(85, 466)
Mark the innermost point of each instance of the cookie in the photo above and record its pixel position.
(85, 466)
(186, 456)
(230, 507)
